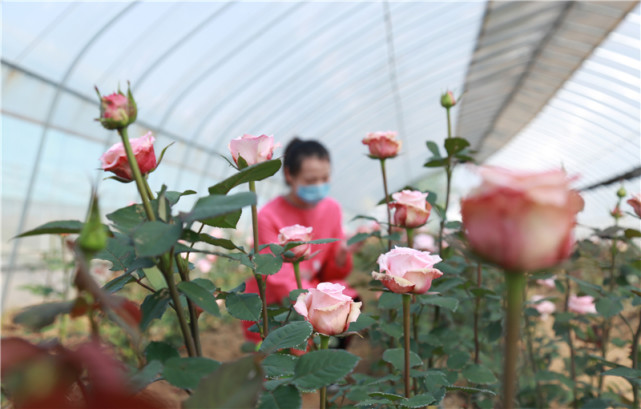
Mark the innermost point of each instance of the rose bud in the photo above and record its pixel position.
(407, 270)
(411, 208)
(448, 100)
(616, 212)
(545, 308)
(115, 159)
(581, 305)
(253, 149)
(382, 145)
(295, 233)
(635, 202)
(519, 220)
(328, 310)
(117, 110)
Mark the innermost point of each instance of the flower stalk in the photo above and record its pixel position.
(324, 344)
(515, 282)
(299, 284)
(262, 282)
(387, 207)
(407, 299)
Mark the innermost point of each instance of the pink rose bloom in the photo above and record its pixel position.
(328, 310)
(407, 270)
(545, 308)
(253, 149)
(425, 242)
(410, 208)
(548, 282)
(581, 305)
(115, 159)
(520, 220)
(635, 202)
(382, 145)
(296, 233)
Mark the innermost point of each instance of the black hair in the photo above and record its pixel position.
(297, 150)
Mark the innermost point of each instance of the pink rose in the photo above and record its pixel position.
(296, 233)
(519, 220)
(115, 159)
(382, 144)
(253, 149)
(581, 305)
(545, 308)
(407, 270)
(328, 310)
(448, 100)
(117, 110)
(410, 208)
(548, 282)
(635, 202)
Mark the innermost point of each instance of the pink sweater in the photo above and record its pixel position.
(326, 220)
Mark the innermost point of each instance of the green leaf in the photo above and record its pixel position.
(233, 385)
(224, 243)
(173, 197)
(128, 218)
(435, 163)
(209, 207)
(255, 172)
(469, 390)
(357, 238)
(187, 372)
(288, 336)
(396, 357)
(363, 321)
(418, 401)
(146, 375)
(153, 306)
(446, 302)
(632, 233)
(433, 147)
(608, 307)
(389, 396)
(38, 316)
(160, 351)
(205, 283)
(119, 251)
(203, 298)
(279, 364)
(247, 307)
(267, 264)
(57, 227)
(226, 221)
(118, 283)
(161, 156)
(479, 374)
(155, 277)
(155, 238)
(321, 368)
(458, 360)
(455, 145)
(390, 300)
(624, 372)
(283, 397)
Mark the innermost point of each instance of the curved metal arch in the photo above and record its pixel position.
(278, 59)
(43, 138)
(157, 62)
(224, 59)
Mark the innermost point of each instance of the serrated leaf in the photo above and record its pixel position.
(118, 283)
(128, 218)
(283, 397)
(160, 351)
(624, 372)
(455, 145)
(418, 401)
(363, 321)
(56, 227)
(226, 221)
(255, 172)
(446, 302)
(233, 385)
(389, 396)
(187, 372)
(608, 307)
(153, 306)
(119, 251)
(146, 375)
(209, 207)
(267, 264)
(396, 357)
(155, 238)
(321, 368)
(469, 390)
(435, 163)
(279, 364)
(38, 316)
(458, 360)
(173, 196)
(247, 307)
(288, 336)
(479, 374)
(215, 241)
(203, 298)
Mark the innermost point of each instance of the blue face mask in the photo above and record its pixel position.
(313, 194)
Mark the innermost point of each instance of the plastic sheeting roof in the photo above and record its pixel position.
(206, 72)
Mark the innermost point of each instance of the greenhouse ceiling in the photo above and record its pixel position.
(543, 85)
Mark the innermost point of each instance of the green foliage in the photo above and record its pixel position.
(283, 397)
(247, 307)
(200, 296)
(288, 336)
(187, 372)
(321, 368)
(153, 307)
(39, 316)
(255, 172)
(57, 227)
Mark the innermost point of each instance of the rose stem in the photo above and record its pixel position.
(571, 344)
(262, 284)
(297, 274)
(530, 354)
(389, 214)
(324, 343)
(415, 316)
(635, 362)
(476, 314)
(515, 282)
(407, 299)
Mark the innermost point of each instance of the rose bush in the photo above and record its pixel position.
(115, 159)
(407, 270)
(328, 310)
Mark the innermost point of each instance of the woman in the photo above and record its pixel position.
(306, 166)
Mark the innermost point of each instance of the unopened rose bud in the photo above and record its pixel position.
(621, 193)
(448, 100)
(93, 236)
(117, 110)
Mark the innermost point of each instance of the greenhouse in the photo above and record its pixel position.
(368, 204)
